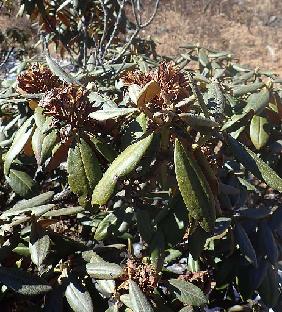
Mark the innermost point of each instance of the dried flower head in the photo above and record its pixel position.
(70, 108)
(143, 274)
(38, 78)
(173, 84)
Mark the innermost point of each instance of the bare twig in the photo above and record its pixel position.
(7, 57)
(85, 39)
(139, 26)
(117, 23)
(105, 29)
(152, 16)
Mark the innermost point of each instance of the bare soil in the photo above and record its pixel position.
(250, 29)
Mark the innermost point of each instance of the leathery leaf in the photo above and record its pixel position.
(120, 167)
(19, 142)
(83, 169)
(258, 135)
(194, 188)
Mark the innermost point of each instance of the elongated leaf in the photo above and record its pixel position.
(37, 139)
(216, 96)
(255, 165)
(268, 242)
(39, 244)
(104, 270)
(137, 299)
(245, 244)
(104, 149)
(21, 138)
(106, 287)
(27, 204)
(23, 282)
(20, 182)
(198, 121)
(203, 57)
(269, 289)
(196, 242)
(133, 92)
(258, 135)
(43, 144)
(174, 225)
(102, 229)
(249, 88)
(194, 188)
(78, 297)
(148, 92)
(187, 309)
(237, 121)
(125, 299)
(120, 167)
(58, 71)
(275, 222)
(84, 171)
(64, 212)
(157, 246)
(102, 115)
(257, 101)
(144, 224)
(188, 293)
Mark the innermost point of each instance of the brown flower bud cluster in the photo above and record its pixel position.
(173, 84)
(70, 108)
(68, 104)
(38, 79)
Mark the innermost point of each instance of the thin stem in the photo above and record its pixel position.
(115, 28)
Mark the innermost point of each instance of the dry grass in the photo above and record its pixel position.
(251, 29)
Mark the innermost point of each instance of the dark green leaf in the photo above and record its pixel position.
(103, 228)
(104, 270)
(84, 171)
(157, 247)
(39, 244)
(21, 138)
(174, 225)
(194, 188)
(26, 205)
(203, 57)
(249, 88)
(267, 242)
(78, 297)
(138, 300)
(20, 182)
(188, 293)
(255, 165)
(144, 224)
(276, 219)
(258, 135)
(23, 282)
(102, 115)
(245, 244)
(269, 289)
(58, 71)
(104, 149)
(257, 101)
(120, 167)
(64, 212)
(198, 121)
(196, 242)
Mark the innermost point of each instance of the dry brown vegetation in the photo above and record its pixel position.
(251, 29)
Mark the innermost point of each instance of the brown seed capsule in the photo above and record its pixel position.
(173, 83)
(70, 108)
(38, 79)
